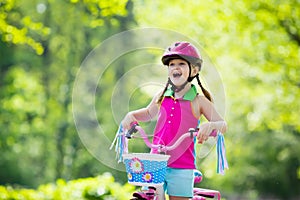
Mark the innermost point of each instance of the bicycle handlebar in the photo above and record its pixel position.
(163, 148)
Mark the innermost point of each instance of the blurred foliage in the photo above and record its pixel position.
(16, 28)
(38, 134)
(253, 44)
(101, 187)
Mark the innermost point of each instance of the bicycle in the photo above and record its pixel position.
(146, 169)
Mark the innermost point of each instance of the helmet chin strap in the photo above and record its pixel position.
(176, 88)
(179, 88)
(192, 77)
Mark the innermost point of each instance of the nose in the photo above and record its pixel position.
(175, 66)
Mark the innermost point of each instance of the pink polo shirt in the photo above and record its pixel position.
(175, 118)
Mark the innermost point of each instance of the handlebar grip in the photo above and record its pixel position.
(132, 130)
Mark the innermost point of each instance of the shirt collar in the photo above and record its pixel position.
(189, 95)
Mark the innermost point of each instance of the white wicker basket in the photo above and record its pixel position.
(145, 168)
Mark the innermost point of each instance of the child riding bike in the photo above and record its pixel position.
(148, 169)
(179, 107)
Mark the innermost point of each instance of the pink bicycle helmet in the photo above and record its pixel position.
(184, 50)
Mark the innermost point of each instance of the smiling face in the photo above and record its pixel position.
(179, 71)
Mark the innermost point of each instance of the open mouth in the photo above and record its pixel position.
(177, 74)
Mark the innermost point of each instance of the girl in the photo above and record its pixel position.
(179, 108)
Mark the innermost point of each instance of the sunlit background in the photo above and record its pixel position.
(45, 48)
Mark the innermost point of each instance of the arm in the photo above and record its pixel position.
(215, 121)
(143, 114)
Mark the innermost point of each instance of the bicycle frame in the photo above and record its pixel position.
(163, 148)
(199, 193)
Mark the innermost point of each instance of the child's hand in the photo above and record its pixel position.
(128, 119)
(204, 131)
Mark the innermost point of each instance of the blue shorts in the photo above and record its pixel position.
(179, 182)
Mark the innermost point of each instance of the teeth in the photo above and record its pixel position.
(176, 74)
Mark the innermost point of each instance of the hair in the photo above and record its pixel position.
(204, 91)
(162, 94)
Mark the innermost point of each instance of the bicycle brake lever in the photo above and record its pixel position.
(192, 131)
(132, 130)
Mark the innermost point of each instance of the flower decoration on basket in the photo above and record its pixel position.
(129, 176)
(148, 177)
(136, 165)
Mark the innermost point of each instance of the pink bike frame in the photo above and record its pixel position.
(162, 148)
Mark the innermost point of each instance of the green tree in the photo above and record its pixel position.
(43, 46)
(255, 45)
